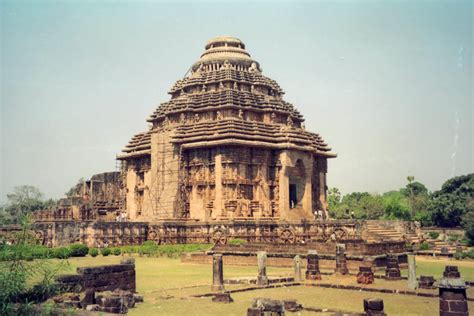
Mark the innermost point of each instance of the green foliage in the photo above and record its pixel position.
(454, 201)
(23, 200)
(93, 252)
(78, 250)
(424, 246)
(395, 206)
(105, 251)
(433, 235)
(358, 205)
(468, 225)
(237, 242)
(18, 269)
(61, 252)
(116, 251)
(151, 249)
(459, 255)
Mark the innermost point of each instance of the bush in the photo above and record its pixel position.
(78, 250)
(459, 255)
(149, 243)
(61, 253)
(93, 252)
(453, 237)
(470, 254)
(424, 246)
(116, 251)
(105, 252)
(237, 242)
(433, 235)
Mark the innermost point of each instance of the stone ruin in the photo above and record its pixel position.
(108, 288)
(452, 293)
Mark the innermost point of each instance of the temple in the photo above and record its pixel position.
(226, 146)
(225, 158)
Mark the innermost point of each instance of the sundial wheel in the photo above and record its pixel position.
(340, 234)
(287, 237)
(219, 237)
(153, 235)
(39, 235)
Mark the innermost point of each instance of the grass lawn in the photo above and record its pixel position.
(167, 285)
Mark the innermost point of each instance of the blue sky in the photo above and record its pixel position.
(388, 84)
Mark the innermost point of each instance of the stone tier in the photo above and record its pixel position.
(205, 101)
(234, 132)
(226, 75)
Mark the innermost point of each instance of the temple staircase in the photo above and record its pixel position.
(377, 233)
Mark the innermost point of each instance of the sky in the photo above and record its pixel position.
(388, 84)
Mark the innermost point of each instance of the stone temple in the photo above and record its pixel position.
(225, 158)
(226, 146)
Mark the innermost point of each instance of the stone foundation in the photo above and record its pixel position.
(392, 271)
(312, 267)
(100, 278)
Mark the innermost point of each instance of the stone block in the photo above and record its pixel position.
(374, 307)
(451, 272)
(93, 308)
(292, 305)
(222, 298)
(426, 282)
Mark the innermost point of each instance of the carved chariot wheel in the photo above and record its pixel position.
(219, 237)
(39, 235)
(287, 236)
(153, 235)
(340, 234)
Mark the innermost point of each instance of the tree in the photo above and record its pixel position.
(361, 205)
(24, 200)
(453, 201)
(334, 198)
(396, 205)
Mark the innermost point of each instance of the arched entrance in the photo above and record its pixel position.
(297, 181)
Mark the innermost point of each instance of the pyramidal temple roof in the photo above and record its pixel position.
(226, 100)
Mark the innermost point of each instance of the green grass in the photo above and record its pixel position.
(435, 267)
(167, 285)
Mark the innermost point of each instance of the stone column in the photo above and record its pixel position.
(341, 263)
(262, 278)
(312, 268)
(452, 293)
(412, 283)
(297, 267)
(217, 273)
(373, 307)
(365, 275)
(392, 271)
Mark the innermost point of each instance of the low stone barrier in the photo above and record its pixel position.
(101, 278)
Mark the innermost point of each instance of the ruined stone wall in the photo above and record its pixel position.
(101, 278)
(90, 233)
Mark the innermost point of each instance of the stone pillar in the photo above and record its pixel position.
(297, 267)
(365, 275)
(217, 273)
(373, 307)
(341, 263)
(312, 268)
(262, 278)
(412, 283)
(452, 293)
(426, 282)
(392, 271)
